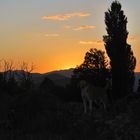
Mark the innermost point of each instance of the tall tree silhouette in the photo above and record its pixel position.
(94, 68)
(119, 51)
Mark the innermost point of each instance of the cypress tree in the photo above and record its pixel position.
(121, 56)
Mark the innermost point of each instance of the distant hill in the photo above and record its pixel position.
(67, 72)
(58, 79)
(62, 77)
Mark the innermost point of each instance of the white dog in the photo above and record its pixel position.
(92, 93)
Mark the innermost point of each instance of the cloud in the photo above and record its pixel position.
(85, 27)
(86, 42)
(65, 16)
(52, 35)
(67, 26)
(98, 42)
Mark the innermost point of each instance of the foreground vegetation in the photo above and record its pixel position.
(45, 116)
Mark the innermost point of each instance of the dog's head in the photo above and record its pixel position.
(82, 84)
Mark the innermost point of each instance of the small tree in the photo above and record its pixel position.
(25, 75)
(7, 76)
(47, 85)
(119, 51)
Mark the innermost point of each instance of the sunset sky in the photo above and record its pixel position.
(55, 34)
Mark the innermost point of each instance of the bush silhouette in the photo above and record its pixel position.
(94, 69)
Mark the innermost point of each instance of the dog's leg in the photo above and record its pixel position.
(90, 106)
(85, 105)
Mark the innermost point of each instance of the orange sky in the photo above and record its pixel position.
(56, 34)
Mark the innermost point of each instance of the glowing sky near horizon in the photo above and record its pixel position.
(56, 34)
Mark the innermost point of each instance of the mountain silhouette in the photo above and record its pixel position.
(62, 77)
